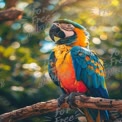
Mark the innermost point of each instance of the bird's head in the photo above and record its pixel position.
(67, 32)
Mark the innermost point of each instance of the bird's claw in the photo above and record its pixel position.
(71, 99)
(61, 99)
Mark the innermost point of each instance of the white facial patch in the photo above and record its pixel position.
(66, 28)
(68, 33)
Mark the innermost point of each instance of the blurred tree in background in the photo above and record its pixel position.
(25, 46)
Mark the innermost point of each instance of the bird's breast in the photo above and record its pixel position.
(66, 72)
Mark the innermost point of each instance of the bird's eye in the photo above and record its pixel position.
(68, 25)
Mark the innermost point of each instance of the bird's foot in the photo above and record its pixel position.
(71, 99)
(61, 99)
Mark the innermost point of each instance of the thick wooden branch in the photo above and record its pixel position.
(51, 105)
(10, 14)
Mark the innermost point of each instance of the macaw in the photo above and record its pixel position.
(74, 67)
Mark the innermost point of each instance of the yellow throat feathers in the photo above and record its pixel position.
(61, 52)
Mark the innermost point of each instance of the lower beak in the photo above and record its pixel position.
(56, 38)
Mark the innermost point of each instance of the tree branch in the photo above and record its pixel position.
(11, 3)
(51, 105)
(10, 14)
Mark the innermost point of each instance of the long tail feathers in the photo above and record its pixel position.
(96, 115)
(88, 116)
(93, 115)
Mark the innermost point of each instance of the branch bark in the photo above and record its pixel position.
(10, 14)
(11, 3)
(51, 105)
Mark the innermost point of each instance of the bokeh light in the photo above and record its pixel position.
(37, 74)
(16, 26)
(28, 28)
(101, 12)
(0, 39)
(15, 45)
(22, 5)
(115, 29)
(96, 40)
(2, 4)
(31, 66)
(17, 88)
(46, 46)
(12, 57)
(103, 36)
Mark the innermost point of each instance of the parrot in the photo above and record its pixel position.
(75, 68)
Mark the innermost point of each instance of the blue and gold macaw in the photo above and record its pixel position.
(74, 67)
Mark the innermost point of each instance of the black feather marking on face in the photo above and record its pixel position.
(56, 31)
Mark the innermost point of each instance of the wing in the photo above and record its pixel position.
(52, 69)
(89, 69)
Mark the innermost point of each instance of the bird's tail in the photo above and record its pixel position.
(93, 115)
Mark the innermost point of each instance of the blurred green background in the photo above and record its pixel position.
(25, 46)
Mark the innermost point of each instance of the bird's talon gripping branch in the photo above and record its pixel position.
(61, 99)
(71, 99)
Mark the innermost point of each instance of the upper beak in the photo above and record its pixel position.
(56, 33)
(53, 32)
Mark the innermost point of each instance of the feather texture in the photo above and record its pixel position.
(89, 69)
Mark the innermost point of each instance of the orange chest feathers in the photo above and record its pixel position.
(66, 72)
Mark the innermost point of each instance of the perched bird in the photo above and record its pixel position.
(74, 67)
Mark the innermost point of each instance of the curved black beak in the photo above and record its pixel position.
(55, 31)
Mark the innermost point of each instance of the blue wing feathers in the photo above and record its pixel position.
(84, 68)
(89, 71)
(84, 76)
